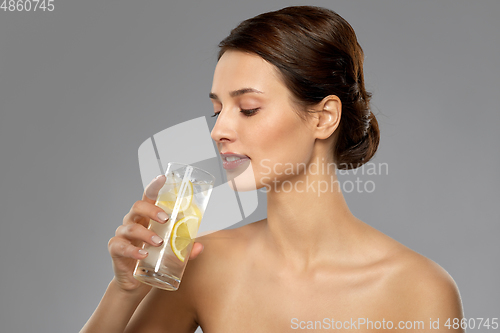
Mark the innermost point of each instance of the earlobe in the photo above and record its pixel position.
(329, 113)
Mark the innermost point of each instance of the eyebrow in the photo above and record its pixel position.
(235, 93)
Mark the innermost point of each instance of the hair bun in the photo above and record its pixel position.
(363, 150)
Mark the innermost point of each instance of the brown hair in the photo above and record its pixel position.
(317, 54)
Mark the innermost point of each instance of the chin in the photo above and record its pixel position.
(242, 180)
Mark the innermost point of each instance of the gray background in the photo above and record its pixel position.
(82, 87)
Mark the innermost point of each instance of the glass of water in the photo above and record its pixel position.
(184, 197)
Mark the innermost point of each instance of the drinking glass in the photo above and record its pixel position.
(184, 197)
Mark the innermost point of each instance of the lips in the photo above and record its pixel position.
(232, 160)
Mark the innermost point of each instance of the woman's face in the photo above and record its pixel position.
(257, 120)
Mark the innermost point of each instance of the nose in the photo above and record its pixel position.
(224, 129)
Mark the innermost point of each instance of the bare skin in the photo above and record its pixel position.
(310, 260)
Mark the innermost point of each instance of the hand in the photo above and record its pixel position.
(126, 247)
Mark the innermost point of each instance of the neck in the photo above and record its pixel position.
(309, 222)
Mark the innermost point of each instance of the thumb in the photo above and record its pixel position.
(196, 250)
(151, 192)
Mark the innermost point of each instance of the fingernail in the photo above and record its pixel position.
(143, 252)
(157, 240)
(158, 177)
(162, 216)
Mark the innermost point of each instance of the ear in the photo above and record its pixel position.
(328, 113)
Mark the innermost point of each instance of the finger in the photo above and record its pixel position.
(121, 248)
(136, 232)
(196, 250)
(151, 192)
(142, 211)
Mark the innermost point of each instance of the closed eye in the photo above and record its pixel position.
(246, 112)
(249, 112)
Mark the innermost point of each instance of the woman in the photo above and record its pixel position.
(289, 94)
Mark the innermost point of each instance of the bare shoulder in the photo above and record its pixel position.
(215, 268)
(422, 287)
(202, 284)
(227, 245)
(224, 249)
(409, 281)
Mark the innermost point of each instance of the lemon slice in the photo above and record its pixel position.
(183, 235)
(167, 199)
(192, 210)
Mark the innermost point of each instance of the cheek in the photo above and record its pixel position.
(280, 142)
